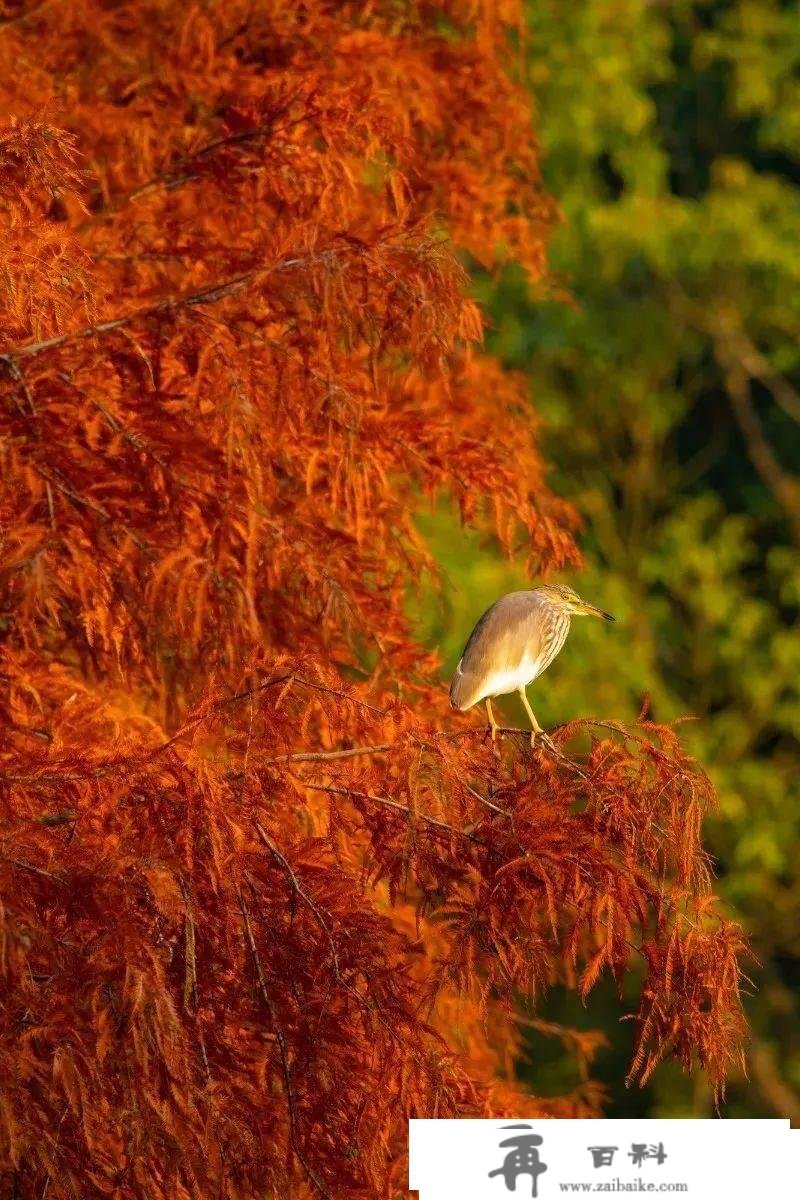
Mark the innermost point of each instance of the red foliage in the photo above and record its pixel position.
(261, 898)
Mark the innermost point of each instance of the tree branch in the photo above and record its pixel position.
(782, 1099)
(387, 803)
(282, 1046)
(297, 888)
(327, 755)
(208, 295)
(26, 866)
(740, 362)
(754, 363)
(174, 177)
(784, 487)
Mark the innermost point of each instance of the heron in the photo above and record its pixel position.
(513, 642)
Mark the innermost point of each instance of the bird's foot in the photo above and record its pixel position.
(539, 735)
(492, 732)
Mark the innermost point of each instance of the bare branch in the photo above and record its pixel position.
(784, 487)
(754, 363)
(327, 755)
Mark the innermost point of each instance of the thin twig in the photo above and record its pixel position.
(549, 746)
(317, 687)
(198, 720)
(26, 866)
(50, 507)
(320, 687)
(282, 1046)
(295, 882)
(172, 177)
(483, 800)
(16, 373)
(208, 295)
(361, 1000)
(325, 755)
(190, 976)
(142, 447)
(387, 803)
(76, 498)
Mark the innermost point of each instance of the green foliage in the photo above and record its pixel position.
(667, 383)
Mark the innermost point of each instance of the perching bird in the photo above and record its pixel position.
(514, 641)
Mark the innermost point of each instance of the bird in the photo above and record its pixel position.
(512, 644)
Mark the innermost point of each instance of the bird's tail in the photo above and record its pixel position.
(462, 690)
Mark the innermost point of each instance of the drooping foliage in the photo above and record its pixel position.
(263, 898)
(669, 391)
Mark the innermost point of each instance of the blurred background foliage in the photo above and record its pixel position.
(666, 378)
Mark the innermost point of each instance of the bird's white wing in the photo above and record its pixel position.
(503, 651)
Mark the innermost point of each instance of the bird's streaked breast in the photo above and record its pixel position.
(513, 642)
(557, 628)
(529, 668)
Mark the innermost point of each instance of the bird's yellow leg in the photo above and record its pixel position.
(492, 722)
(536, 729)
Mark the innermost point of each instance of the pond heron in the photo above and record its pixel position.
(513, 642)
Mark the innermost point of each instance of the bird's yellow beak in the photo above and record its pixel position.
(581, 609)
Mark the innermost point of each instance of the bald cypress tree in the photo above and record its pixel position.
(263, 896)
